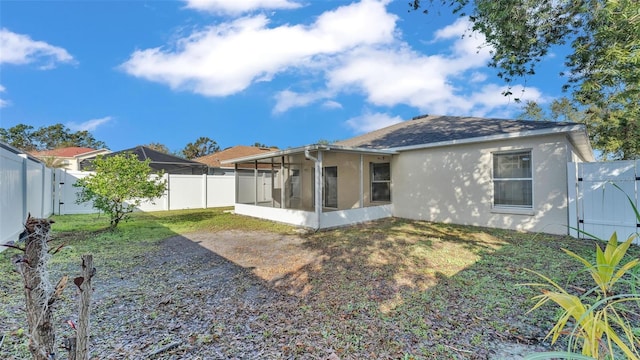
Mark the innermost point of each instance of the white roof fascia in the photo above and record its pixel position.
(582, 145)
(556, 130)
(301, 149)
(93, 153)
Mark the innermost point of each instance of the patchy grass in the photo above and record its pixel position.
(90, 233)
(115, 252)
(451, 291)
(153, 226)
(125, 246)
(390, 289)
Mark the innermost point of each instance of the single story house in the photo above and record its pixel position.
(214, 161)
(498, 173)
(68, 157)
(159, 161)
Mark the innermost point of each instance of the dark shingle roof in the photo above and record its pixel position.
(159, 161)
(435, 129)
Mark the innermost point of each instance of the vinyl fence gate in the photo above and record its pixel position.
(596, 207)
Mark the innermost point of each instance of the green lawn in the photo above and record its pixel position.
(391, 289)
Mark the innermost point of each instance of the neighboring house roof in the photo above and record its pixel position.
(67, 152)
(68, 157)
(159, 161)
(214, 160)
(429, 131)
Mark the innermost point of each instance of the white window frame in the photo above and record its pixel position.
(373, 181)
(495, 179)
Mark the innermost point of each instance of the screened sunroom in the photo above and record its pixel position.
(317, 186)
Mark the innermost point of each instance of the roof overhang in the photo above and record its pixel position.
(89, 154)
(314, 147)
(577, 135)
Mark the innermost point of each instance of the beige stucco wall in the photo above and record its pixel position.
(349, 177)
(453, 185)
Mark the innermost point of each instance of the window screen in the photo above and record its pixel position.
(512, 179)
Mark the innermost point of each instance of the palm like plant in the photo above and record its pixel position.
(601, 324)
(597, 326)
(53, 162)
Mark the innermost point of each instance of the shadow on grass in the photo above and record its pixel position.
(153, 288)
(435, 290)
(388, 289)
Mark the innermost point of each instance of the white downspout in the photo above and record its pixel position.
(318, 184)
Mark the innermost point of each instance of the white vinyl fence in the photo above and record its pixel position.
(25, 188)
(28, 187)
(183, 192)
(598, 208)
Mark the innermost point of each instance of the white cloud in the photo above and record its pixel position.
(435, 84)
(3, 102)
(478, 77)
(393, 77)
(393, 73)
(372, 121)
(490, 99)
(225, 59)
(288, 99)
(89, 125)
(21, 49)
(460, 27)
(240, 6)
(331, 104)
(354, 49)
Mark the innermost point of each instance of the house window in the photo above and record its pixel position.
(380, 182)
(512, 179)
(331, 186)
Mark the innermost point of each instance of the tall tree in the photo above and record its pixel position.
(85, 139)
(533, 112)
(602, 69)
(51, 137)
(58, 135)
(612, 140)
(19, 136)
(201, 147)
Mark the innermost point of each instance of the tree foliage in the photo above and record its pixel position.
(119, 185)
(263, 145)
(612, 139)
(19, 136)
(201, 147)
(24, 137)
(560, 110)
(603, 68)
(158, 147)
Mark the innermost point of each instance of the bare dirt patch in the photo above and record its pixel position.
(269, 256)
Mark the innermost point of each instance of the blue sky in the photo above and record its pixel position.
(281, 72)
